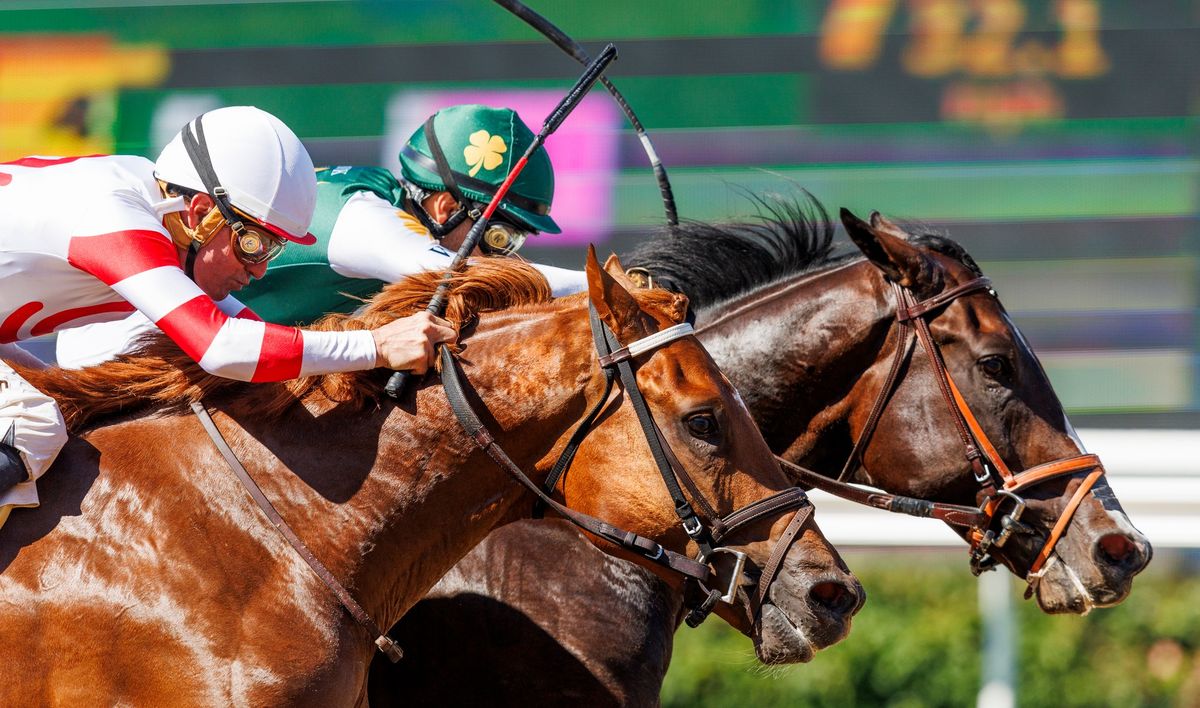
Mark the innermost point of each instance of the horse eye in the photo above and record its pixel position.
(702, 425)
(996, 368)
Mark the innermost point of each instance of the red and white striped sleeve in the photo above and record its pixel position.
(142, 266)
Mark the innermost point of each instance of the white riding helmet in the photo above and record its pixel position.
(263, 167)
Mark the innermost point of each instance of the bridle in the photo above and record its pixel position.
(618, 361)
(998, 484)
(612, 356)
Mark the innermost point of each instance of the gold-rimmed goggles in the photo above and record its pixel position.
(252, 242)
(502, 238)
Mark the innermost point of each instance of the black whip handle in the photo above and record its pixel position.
(580, 89)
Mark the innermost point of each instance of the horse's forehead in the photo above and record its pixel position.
(687, 373)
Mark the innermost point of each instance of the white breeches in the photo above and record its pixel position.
(39, 434)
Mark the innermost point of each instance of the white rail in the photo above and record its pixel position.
(1155, 474)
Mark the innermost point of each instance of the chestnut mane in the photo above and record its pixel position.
(159, 377)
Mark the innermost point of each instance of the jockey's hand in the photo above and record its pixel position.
(408, 343)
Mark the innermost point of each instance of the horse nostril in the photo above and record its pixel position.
(834, 596)
(1116, 549)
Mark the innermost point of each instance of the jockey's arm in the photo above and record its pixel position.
(373, 239)
(93, 344)
(143, 267)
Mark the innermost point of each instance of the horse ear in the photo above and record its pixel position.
(886, 245)
(613, 267)
(614, 303)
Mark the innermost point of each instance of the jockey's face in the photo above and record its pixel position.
(439, 206)
(218, 271)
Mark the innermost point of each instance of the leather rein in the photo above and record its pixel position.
(617, 361)
(612, 357)
(998, 483)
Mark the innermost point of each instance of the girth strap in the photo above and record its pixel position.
(382, 641)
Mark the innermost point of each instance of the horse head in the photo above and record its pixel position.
(1005, 443)
(796, 595)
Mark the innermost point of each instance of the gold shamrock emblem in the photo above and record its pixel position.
(485, 151)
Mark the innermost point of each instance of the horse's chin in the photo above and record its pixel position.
(780, 641)
(1060, 591)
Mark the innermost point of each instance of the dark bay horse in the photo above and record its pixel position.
(147, 576)
(807, 336)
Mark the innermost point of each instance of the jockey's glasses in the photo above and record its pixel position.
(252, 243)
(502, 238)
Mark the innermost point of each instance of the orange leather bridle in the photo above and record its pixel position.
(998, 483)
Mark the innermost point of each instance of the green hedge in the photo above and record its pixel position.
(916, 643)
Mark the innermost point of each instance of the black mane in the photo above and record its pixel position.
(714, 262)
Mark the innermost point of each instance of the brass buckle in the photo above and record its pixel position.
(641, 277)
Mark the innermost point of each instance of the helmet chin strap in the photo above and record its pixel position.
(183, 236)
(438, 231)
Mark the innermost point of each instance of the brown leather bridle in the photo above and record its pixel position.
(617, 361)
(708, 538)
(998, 483)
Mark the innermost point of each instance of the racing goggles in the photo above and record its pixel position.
(252, 243)
(502, 238)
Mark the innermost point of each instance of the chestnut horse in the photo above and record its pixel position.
(807, 337)
(147, 577)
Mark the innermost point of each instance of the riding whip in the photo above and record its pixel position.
(399, 380)
(576, 51)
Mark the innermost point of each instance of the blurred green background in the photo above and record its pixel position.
(1058, 140)
(915, 645)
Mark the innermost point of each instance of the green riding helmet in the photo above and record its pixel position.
(479, 145)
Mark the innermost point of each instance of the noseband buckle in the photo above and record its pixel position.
(985, 474)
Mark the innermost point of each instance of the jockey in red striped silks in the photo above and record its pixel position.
(90, 239)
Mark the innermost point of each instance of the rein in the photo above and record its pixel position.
(383, 642)
(997, 482)
(613, 356)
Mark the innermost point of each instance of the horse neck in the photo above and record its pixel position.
(796, 349)
(404, 494)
